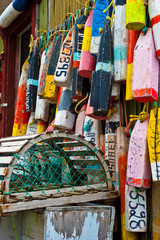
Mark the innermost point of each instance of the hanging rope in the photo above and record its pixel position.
(142, 116)
(80, 103)
(31, 46)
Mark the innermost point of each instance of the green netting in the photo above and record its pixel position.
(55, 164)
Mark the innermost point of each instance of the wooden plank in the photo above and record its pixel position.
(3, 171)
(19, 138)
(14, 143)
(6, 160)
(43, 15)
(10, 149)
(20, 206)
(61, 190)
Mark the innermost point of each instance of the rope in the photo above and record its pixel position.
(111, 19)
(79, 104)
(111, 111)
(31, 46)
(33, 122)
(142, 116)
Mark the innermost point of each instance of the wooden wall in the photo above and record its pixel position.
(59, 8)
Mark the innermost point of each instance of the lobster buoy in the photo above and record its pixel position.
(132, 39)
(97, 23)
(63, 73)
(32, 124)
(145, 69)
(120, 42)
(21, 115)
(42, 105)
(50, 90)
(103, 76)
(65, 119)
(138, 165)
(87, 61)
(41, 127)
(32, 80)
(78, 82)
(79, 127)
(42, 80)
(135, 15)
(154, 13)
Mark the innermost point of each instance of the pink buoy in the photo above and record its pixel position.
(154, 13)
(145, 69)
(87, 62)
(80, 121)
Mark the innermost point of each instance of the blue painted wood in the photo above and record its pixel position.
(103, 76)
(21, 5)
(32, 80)
(78, 83)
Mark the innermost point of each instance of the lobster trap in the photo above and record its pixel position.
(51, 169)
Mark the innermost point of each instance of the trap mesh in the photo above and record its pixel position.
(56, 164)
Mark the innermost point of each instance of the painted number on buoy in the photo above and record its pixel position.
(64, 59)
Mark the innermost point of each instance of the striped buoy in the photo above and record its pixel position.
(42, 105)
(12, 12)
(79, 127)
(41, 127)
(132, 39)
(32, 124)
(154, 13)
(65, 119)
(63, 73)
(42, 81)
(103, 76)
(87, 61)
(138, 165)
(97, 23)
(120, 42)
(145, 69)
(135, 14)
(21, 116)
(51, 91)
(32, 81)
(78, 82)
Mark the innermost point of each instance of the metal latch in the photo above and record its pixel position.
(4, 105)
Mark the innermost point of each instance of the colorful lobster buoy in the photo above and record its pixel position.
(97, 23)
(120, 42)
(103, 76)
(32, 81)
(122, 151)
(42, 105)
(79, 127)
(87, 61)
(50, 90)
(154, 13)
(21, 116)
(138, 165)
(78, 91)
(65, 119)
(153, 137)
(132, 39)
(41, 127)
(63, 73)
(145, 69)
(135, 15)
(32, 124)
(42, 81)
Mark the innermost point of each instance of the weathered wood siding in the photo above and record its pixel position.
(59, 8)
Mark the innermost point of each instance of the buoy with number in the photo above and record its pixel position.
(87, 61)
(120, 42)
(42, 105)
(132, 39)
(135, 14)
(51, 90)
(145, 69)
(63, 72)
(103, 76)
(32, 80)
(154, 13)
(21, 115)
